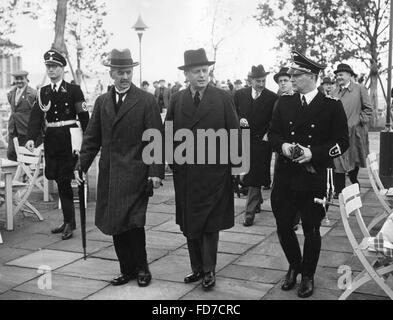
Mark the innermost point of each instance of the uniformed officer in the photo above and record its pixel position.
(317, 125)
(56, 109)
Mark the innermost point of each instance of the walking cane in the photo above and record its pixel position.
(81, 193)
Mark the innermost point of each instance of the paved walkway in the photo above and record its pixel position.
(250, 260)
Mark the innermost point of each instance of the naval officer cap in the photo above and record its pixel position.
(301, 64)
(54, 57)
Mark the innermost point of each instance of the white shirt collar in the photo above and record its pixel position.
(309, 96)
(21, 89)
(122, 91)
(255, 94)
(58, 84)
(347, 85)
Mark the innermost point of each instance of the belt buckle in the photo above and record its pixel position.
(61, 123)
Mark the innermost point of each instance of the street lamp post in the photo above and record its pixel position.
(386, 137)
(140, 27)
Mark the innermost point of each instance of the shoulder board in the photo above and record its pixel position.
(333, 98)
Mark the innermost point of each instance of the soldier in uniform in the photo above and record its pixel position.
(57, 108)
(308, 130)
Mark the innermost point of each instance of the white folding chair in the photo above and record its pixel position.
(379, 190)
(350, 204)
(1, 239)
(25, 179)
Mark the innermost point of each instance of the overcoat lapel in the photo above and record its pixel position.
(187, 108)
(130, 101)
(204, 107)
(310, 111)
(24, 94)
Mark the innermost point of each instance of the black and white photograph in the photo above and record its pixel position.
(196, 156)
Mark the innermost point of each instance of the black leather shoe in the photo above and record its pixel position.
(193, 277)
(248, 219)
(295, 227)
(144, 277)
(59, 229)
(123, 279)
(290, 279)
(258, 209)
(67, 232)
(306, 288)
(209, 280)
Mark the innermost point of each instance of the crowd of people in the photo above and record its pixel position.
(309, 128)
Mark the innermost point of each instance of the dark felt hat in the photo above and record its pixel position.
(258, 72)
(327, 80)
(20, 73)
(283, 72)
(343, 67)
(121, 59)
(301, 64)
(194, 58)
(54, 57)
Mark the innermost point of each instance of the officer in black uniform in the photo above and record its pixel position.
(308, 130)
(56, 109)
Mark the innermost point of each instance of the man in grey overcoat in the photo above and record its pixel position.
(119, 119)
(203, 191)
(359, 111)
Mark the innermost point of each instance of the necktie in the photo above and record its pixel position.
(54, 88)
(120, 100)
(197, 99)
(304, 102)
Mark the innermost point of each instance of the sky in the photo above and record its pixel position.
(174, 26)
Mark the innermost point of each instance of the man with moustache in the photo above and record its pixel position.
(254, 107)
(359, 111)
(58, 107)
(125, 181)
(308, 131)
(21, 99)
(203, 191)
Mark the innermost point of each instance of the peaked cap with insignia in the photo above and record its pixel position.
(301, 64)
(54, 57)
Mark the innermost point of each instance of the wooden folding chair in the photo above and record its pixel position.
(350, 203)
(25, 179)
(379, 190)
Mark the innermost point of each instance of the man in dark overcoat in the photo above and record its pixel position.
(119, 119)
(57, 108)
(308, 130)
(21, 100)
(254, 107)
(203, 191)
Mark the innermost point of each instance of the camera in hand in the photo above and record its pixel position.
(297, 152)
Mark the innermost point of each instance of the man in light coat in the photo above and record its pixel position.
(119, 119)
(359, 111)
(21, 99)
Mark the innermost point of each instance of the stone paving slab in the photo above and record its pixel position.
(110, 254)
(155, 219)
(8, 254)
(169, 226)
(164, 240)
(52, 258)
(157, 290)
(10, 277)
(175, 267)
(233, 247)
(268, 249)
(64, 287)
(240, 237)
(97, 235)
(253, 274)
(261, 219)
(333, 259)
(75, 245)
(339, 244)
(159, 198)
(161, 208)
(261, 261)
(37, 241)
(92, 268)
(254, 229)
(18, 295)
(230, 289)
(323, 230)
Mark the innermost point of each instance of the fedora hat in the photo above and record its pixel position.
(343, 67)
(258, 72)
(194, 58)
(120, 59)
(20, 73)
(283, 72)
(327, 80)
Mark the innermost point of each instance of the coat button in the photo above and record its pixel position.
(310, 137)
(293, 133)
(309, 146)
(313, 126)
(290, 122)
